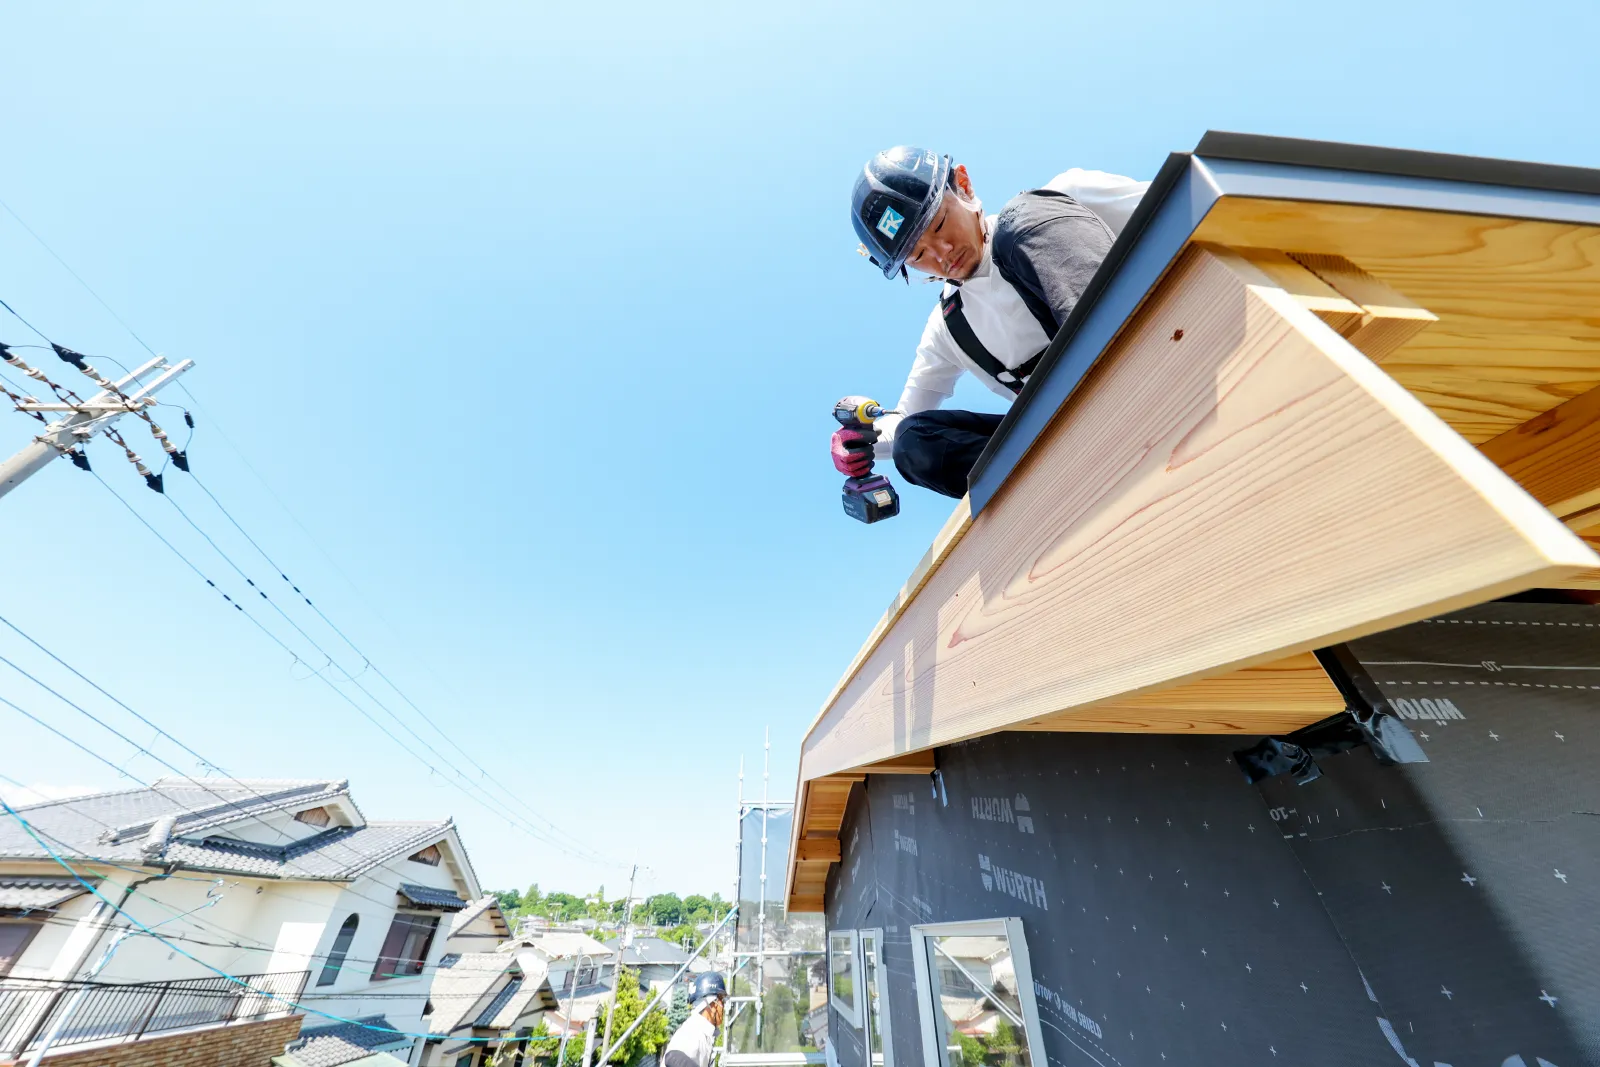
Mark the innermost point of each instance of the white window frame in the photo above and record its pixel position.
(867, 1019)
(851, 1013)
(932, 1052)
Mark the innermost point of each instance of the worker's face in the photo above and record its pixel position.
(952, 245)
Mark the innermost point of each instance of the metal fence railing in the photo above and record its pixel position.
(30, 1009)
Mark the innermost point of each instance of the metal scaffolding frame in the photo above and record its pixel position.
(741, 958)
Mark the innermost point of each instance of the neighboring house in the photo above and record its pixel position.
(576, 1009)
(657, 960)
(479, 927)
(309, 900)
(484, 995)
(578, 969)
(571, 958)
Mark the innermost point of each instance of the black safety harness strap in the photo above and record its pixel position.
(955, 321)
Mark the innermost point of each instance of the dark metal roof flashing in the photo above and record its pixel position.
(1401, 162)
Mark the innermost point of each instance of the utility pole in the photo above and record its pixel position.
(616, 972)
(213, 897)
(83, 421)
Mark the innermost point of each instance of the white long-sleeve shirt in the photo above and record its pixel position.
(995, 310)
(695, 1039)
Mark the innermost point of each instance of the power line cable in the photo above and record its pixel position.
(278, 997)
(576, 848)
(478, 799)
(254, 816)
(367, 660)
(356, 681)
(590, 855)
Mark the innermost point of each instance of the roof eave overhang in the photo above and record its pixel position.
(1184, 191)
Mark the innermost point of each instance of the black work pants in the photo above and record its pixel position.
(937, 449)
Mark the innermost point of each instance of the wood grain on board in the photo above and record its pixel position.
(1555, 456)
(1388, 318)
(1234, 484)
(1518, 330)
(1270, 698)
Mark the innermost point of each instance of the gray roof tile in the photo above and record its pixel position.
(429, 897)
(497, 1005)
(341, 1043)
(37, 894)
(77, 826)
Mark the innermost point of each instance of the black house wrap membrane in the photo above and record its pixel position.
(1445, 913)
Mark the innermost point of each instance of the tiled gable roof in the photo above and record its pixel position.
(76, 827)
(333, 1046)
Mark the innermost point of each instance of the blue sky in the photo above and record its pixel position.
(533, 317)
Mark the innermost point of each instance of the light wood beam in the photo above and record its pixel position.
(1515, 298)
(1202, 504)
(1313, 294)
(823, 849)
(1388, 318)
(911, 763)
(1271, 698)
(1555, 456)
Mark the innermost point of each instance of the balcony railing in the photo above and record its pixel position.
(30, 1009)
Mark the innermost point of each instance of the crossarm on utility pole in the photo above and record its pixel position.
(85, 421)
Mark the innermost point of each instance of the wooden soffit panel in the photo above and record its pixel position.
(1204, 503)
(1518, 300)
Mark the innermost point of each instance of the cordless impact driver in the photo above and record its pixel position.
(869, 497)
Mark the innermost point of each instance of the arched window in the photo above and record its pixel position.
(341, 947)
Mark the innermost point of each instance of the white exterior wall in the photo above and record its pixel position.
(401, 999)
(256, 926)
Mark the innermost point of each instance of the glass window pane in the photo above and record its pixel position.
(976, 1003)
(841, 969)
(872, 981)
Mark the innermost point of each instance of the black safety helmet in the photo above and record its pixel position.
(709, 984)
(896, 195)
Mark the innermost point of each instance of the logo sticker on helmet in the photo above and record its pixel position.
(889, 222)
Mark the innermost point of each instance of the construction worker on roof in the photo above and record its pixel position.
(692, 1045)
(1010, 281)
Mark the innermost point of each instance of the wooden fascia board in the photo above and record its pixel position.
(1344, 432)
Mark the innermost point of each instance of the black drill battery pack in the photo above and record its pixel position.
(870, 499)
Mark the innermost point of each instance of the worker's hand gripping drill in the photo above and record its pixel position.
(867, 496)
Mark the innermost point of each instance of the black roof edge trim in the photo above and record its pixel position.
(1404, 162)
(1166, 178)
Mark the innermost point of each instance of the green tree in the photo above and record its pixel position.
(531, 898)
(697, 909)
(678, 1011)
(651, 1035)
(542, 1044)
(665, 909)
(509, 899)
(971, 1049)
(1004, 1048)
(684, 935)
(563, 907)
